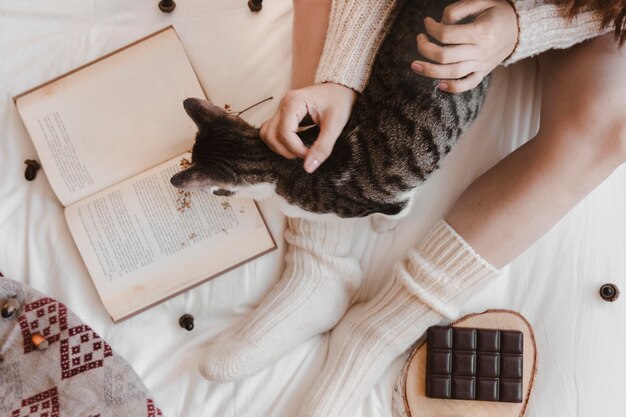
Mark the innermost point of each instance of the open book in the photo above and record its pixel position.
(109, 135)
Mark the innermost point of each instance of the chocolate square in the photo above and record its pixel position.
(468, 364)
(511, 391)
(489, 365)
(464, 363)
(488, 340)
(464, 339)
(463, 388)
(487, 389)
(440, 337)
(511, 366)
(440, 362)
(512, 342)
(439, 387)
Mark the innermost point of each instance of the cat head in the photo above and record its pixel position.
(228, 156)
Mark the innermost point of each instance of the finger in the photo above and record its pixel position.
(444, 54)
(444, 71)
(286, 133)
(464, 84)
(461, 10)
(268, 134)
(452, 34)
(292, 110)
(278, 148)
(330, 129)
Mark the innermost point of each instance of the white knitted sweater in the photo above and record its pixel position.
(357, 27)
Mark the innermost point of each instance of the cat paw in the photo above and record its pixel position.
(381, 223)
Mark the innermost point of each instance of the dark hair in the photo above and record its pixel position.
(610, 12)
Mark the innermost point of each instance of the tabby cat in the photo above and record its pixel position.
(400, 128)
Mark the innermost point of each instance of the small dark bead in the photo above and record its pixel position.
(186, 322)
(32, 167)
(609, 292)
(167, 6)
(255, 5)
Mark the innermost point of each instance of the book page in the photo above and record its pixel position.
(143, 242)
(113, 118)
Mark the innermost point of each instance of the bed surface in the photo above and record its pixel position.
(240, 59)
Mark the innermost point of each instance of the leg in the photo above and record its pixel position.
(581, 141)
(320, 277)
(313, 293)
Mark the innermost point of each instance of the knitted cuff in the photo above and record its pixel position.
(443, 269)
(330, 237)
(355, 31)
(321, 250)
(543, 27)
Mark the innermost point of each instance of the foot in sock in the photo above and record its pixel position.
(313, 294)
(435, 279)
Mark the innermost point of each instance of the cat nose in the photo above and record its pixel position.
(177, 180)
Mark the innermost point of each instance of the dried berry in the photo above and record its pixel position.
(32, 167)
(609, 292)
(186, 322)
(39, 341)
(255, 5)
(167, 6)
(9, 307)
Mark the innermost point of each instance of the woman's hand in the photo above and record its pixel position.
(470, 50)
(329, 106)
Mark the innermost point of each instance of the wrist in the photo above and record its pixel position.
(514, 13)
(340, 91)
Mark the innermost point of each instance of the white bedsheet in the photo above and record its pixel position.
(241, 58)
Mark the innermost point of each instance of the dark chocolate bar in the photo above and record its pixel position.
(474, 364)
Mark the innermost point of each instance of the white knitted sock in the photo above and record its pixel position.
(430, 284)
(313, 294)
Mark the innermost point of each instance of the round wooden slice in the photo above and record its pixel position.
(409, 398)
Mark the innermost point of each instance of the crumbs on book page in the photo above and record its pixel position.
(184, 163)
(183, 198)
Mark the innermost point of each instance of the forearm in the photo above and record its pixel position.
(355, 32)
(542, 27)
(310, 23)
(506, 210)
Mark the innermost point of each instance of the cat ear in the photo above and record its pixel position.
(202, 112)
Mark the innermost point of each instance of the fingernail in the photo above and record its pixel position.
(311, 165)
(417, 67)
(443, 86)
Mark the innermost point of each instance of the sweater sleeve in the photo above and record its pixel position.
(355, 31)
(542, 27)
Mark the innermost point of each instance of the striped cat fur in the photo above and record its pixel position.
(399, 131)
